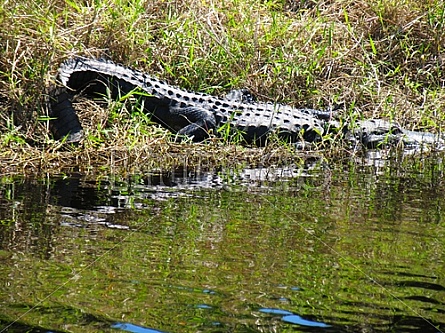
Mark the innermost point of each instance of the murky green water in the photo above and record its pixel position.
(334, 248)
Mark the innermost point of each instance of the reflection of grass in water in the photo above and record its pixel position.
(335, 247)
(382, 58)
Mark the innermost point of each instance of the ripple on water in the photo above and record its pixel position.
(222, 250)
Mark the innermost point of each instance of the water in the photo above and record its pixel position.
(351, 247)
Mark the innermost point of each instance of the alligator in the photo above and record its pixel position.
(198, 115)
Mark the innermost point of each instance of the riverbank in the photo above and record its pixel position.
(161, 155)
(382, 59)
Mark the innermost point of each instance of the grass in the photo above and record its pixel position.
(383, 58)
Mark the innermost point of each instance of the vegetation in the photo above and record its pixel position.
(383, 58)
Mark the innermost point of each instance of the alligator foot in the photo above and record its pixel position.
(200, 122)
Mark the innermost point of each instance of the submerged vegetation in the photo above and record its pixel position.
(382, 58)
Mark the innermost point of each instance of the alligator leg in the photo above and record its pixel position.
(198, 122)
(64, 122)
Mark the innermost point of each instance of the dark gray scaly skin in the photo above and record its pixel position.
(180, 111)
(374, 133)
(195, 115)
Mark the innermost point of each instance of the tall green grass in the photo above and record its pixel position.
(383, 58)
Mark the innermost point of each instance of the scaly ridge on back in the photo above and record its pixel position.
(188, 113)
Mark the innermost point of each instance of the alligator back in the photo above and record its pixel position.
(166, 102)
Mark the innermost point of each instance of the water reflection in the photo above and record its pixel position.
(339, 248)
(289, 317)
(134, 328)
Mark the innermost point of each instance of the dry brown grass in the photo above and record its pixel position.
(164, 155)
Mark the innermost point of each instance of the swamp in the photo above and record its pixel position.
(130, 231)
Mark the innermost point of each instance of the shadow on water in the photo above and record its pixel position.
(82, 319)
(352, 247)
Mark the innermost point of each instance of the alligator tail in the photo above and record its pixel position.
(79, 75)
(64, 120)
(99, 77)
